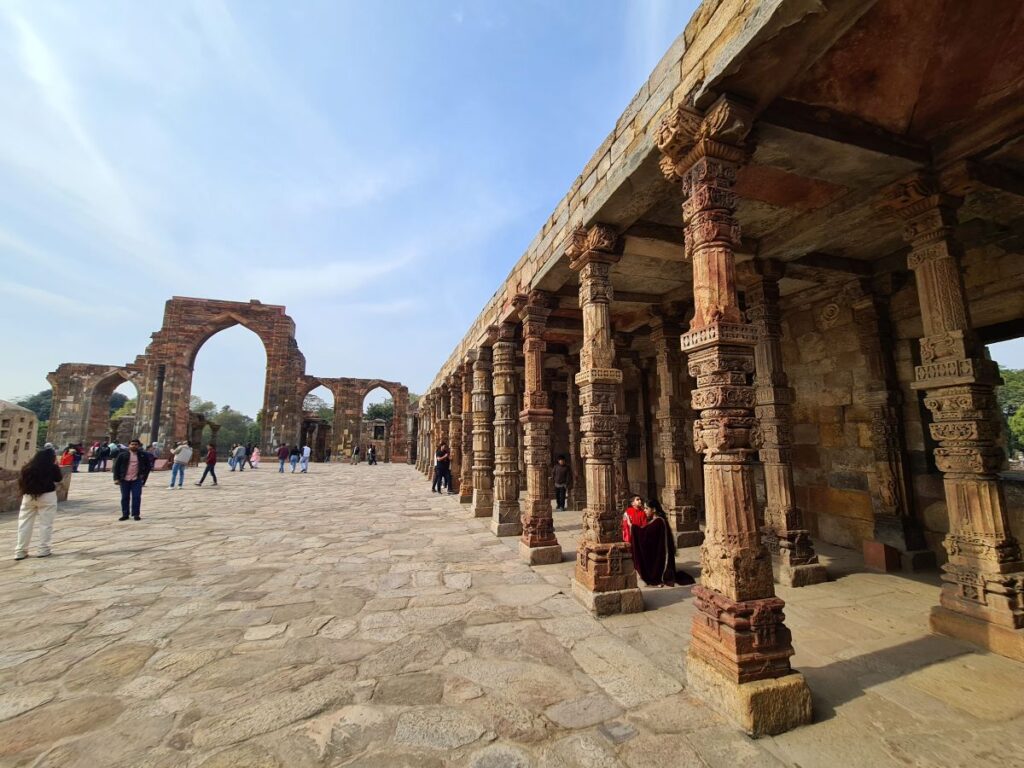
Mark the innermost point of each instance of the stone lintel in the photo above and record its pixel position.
(761, 707)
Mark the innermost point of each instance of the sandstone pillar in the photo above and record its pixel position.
(898, 541)
(574, 411)
(443, 412)
(675, 497)
(982, 596)
(620, 455)
(788, 541)
(483, 435)
(455, 426)
(538, 545)
(506, 519)
(738, 659)
(466, 467)
(605, 581)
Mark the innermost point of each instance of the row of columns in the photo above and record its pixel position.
(742, 406)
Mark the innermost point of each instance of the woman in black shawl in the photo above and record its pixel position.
(654, 549)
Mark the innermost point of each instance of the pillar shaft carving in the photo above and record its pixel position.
(605, 580)
(984, 577)
(676, 497)
(466, 469)
(455, 426)
(739, 634)
(506, 520)
(537, 418)
(784, 532)
(894, 524)
(483, 435)
(574, 412)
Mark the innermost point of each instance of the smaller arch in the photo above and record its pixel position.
(98, 425)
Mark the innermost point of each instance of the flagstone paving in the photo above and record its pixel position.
(351, 617)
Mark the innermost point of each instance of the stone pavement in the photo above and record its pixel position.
(351, 617)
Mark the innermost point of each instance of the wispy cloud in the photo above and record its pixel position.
(56, 302)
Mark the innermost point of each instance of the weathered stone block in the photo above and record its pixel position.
(761, 708)
(993, 637)
(881, 557)
(609, 603)
(806, 434)
(540, 555)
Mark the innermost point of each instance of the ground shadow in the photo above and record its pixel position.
(843, 681)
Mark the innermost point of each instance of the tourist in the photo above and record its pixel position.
(562, 479)
(654, 549)
(76, 458)
(327, 455)
(306, 452)
(239, 458)
(355, 454)
(37, 481)
(182, 455)
(93, 456)
(293, 457)
(282, 456)
(211, 462)
(441, 461)
(371, 455)
(248, 455)
(68, 457)
(254, 458)
(102, 456)
(634, 516)
(131, 470)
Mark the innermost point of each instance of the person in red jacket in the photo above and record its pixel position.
(634, 515)
(282, 456)
(211, 462)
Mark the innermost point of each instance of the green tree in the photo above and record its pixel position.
(316, 404)
(40, 403)
(207, 408)
(385, 410)
(41, 435)
(127, 408)
(1010, 397)
(117, 401)
(1016, 431)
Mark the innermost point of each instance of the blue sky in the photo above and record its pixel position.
(377, 167)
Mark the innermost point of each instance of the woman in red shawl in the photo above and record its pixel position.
(634, 515)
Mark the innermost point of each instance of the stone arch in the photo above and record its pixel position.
(98, 417)
(188, 324)
(81, 400)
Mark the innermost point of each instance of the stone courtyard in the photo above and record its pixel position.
(351, 617)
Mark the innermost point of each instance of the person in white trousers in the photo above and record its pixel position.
(304, 461)
(38, 484)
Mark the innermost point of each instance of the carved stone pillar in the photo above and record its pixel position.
(784, 533)
(675, 497)
(605, 581)
(455, 426)
(620, 454)
(983, 592)
(425, 430)
(738, 659)
(506, 520)
(466, 470)
(574, 412)
(898, 539)
(483, 435)
(538, 545)
(443, 412)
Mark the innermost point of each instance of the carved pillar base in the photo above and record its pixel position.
(760, 707)
(540, 555)
(505, 519)
(686, 527)
(609, 602)
(992, 637)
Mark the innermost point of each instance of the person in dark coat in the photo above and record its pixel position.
(654, 549)
(131, 470)
(211, 463)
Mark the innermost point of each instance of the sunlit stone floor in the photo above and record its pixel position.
(351, 617)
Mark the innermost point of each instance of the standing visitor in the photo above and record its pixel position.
(76, 458)
(654, 551)
(211, 462)
(355, 454)
(254, 458)
(305, 458)
(372, 455)
(102, 456)
(561, 478)
(68, 457)
(93, 455)
(441, 461)
(131, 470)
(634, 516)
(282, 456)
(37, 482)
(239, 458)
(293, 457)
(182, 455)
(327, 455)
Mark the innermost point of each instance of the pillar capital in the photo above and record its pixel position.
(599, 243)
